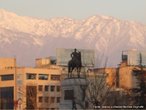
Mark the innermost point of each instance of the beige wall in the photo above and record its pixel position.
(22, 80)
(111, 76)
(42, 62)
(110, 72)
(7, 62)
(43, 83)
(126, 78)
(7, 83)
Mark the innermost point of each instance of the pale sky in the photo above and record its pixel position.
(78, 9)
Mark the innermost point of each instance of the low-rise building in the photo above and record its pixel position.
(110, 73)
(29, 88)
(132, 69)
(132, 76)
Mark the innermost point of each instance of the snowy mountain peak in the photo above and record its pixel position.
(29, 38)
(5, 12)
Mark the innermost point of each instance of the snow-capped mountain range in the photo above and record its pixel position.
(27, 38)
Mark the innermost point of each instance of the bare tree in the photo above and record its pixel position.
(97, 91)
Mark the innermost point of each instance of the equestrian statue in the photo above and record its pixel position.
(75, 63)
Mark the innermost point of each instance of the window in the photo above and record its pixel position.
(58, 88)
(46, 88)
(124, 57)
(58, 99)
(46, 99)
(55, 77)
(43, 76)
(40, 99)
(52, 88)
(6, 98)
(7, 77)
(9, 67)
(40, 88)
(69, 95)
(52, 100)
(31, 76)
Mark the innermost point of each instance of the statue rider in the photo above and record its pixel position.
(74, 55)
(75, 62)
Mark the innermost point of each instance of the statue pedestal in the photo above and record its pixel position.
(73, 93)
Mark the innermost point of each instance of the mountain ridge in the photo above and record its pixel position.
(108, 36)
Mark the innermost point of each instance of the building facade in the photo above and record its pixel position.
(110, 73)
(29, 88)
(132, 69)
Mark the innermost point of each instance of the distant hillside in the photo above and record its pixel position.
(27, 38)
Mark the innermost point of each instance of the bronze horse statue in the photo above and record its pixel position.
(74, 63)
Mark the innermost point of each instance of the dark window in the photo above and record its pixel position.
(6, 98)
(46, 88)
(52, 100)
(7, 77)
(58, 88)
(9, 67)
(46, 99)
(55, 77)
(40, 88)
(52, 88)
(31, 76)
(40, 99)
(43, 76)
(124, 57)
(69, 95)
(58, 99)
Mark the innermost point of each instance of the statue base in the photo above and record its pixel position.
(73, 93)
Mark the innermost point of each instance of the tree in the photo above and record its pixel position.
(97, 91)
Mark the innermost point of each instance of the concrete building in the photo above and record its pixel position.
(110, 73)
(128, 78)
(132, 76)
(29, 88)
(7, 63)
(132, 69)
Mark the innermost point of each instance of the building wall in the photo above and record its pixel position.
(49, 82)
(110, 74)
(127, 79)
(20, 82)
(7, 62)
(5, 82)
(42, 62)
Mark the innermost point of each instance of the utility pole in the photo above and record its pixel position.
(15, 94)
(142, 84)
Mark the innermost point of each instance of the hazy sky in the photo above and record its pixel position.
(78, 9)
